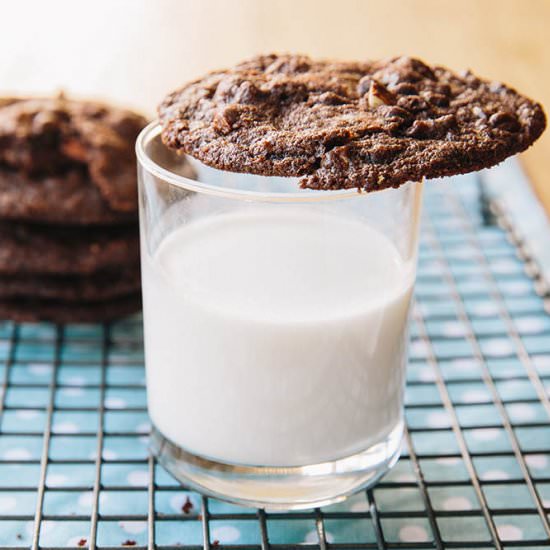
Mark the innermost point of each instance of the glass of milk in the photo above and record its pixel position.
(275, 329)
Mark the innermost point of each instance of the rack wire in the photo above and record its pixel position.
(74, 466)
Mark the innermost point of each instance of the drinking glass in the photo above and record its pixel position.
(276, 329)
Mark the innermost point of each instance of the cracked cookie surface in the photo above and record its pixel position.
(338, 125)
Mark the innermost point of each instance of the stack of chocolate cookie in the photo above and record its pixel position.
(69, 248)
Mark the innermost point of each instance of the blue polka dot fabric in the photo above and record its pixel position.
(75, 470)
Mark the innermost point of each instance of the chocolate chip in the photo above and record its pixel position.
(431, 128)
(440, 88)
(330, 98)
(405, 88)
(48, 121)
(238, 91)
(504, 121)
(412, 103)
(434, 98)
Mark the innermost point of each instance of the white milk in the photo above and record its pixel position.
(276, 338)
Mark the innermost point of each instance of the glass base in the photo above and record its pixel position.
(279, 488)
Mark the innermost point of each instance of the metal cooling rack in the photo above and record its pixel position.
(74, 467)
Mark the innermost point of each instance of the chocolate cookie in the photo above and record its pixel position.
(76, 312)
(36, 249)
(91, 288)
(369, 125)
(69, 198)
(53, 136)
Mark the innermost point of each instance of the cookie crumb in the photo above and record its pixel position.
(215, 543)
(82, 542)
(187, 506)
(129, 542)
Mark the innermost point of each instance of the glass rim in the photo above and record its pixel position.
(152, 131)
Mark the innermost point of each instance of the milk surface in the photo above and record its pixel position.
(276, 338)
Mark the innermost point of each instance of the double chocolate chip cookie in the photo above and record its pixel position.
(369, 125)
(68, 210)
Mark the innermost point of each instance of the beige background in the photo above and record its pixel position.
(133, 51)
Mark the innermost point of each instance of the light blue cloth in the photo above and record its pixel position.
(452, 218)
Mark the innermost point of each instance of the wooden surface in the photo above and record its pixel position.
(133, 51)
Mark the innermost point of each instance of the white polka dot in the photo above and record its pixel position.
(474, 396)
(448, 461)
(522, 411)
(530, 324)
(25, 414)
(464, 364)
(144, 427)
(419, 347)
(546, 502)
(495, 475)
(453, 329)
(107, 454)
(484, 309)
(486, 434)
(75, 541)
(498, 347)
(115, 403)
(432, 266)
(509, 532)
(133, 527)
(138, 478)
(360, 506)
(515, 287)
(461, 253)
(76, 381)
(65, 428)
(413, 533)
(39, 369)
(542, 361)
(7, 503)
(503, 266)
(56, 480)
(312, 537)
(539, 462)
(457, 503)
(85, 500)
(438, 419)
(226, 534)
(426, 374)
(73, 392)
(17, 453)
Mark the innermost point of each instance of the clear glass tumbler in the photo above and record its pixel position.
(275, 329)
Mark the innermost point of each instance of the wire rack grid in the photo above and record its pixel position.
(75, 470)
